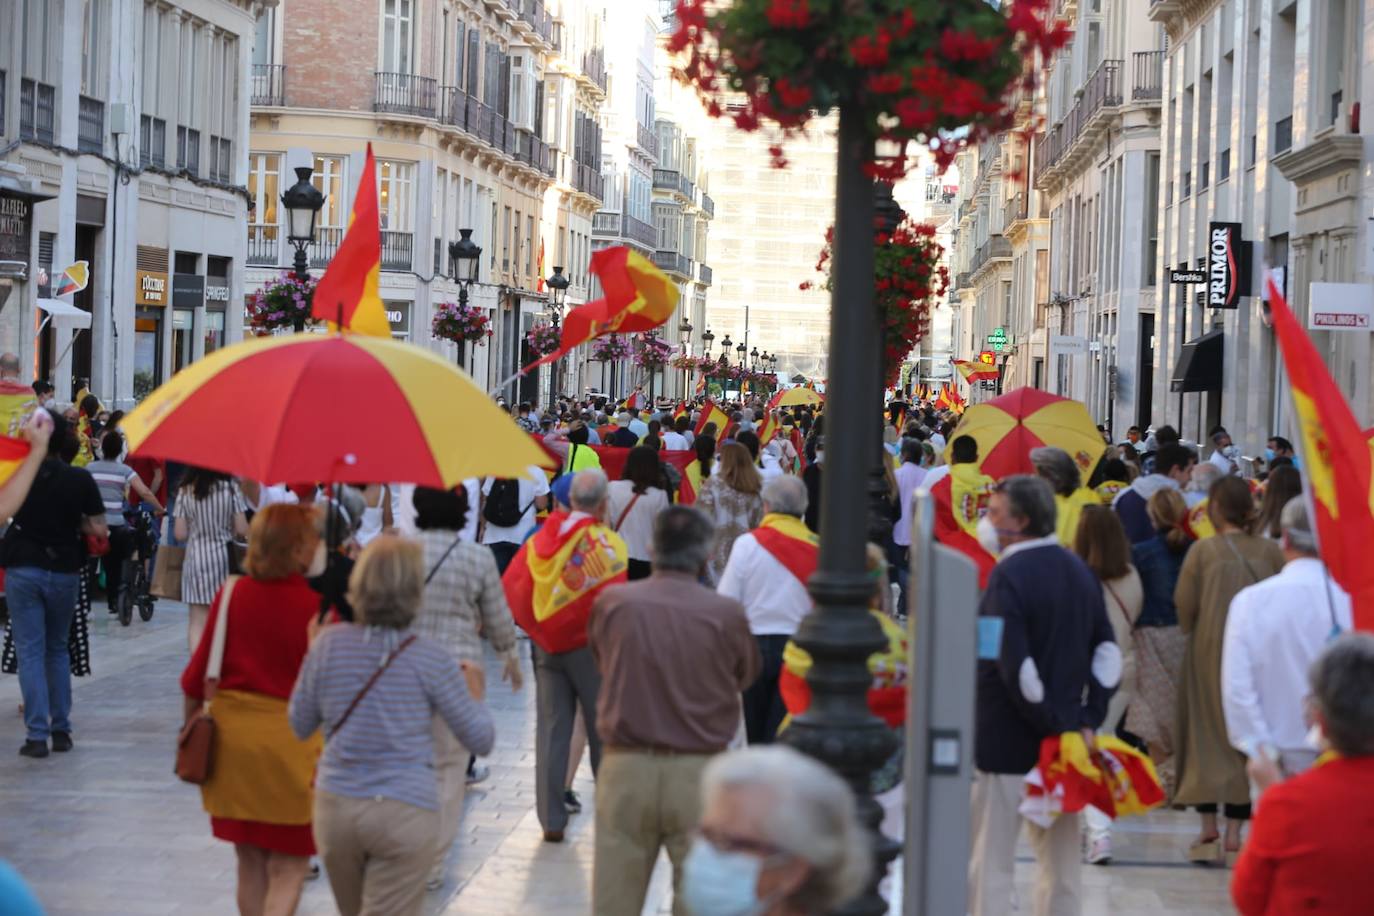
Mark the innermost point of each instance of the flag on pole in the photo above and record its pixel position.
(943, 402)
(1337, 459)
(639, 297)
(710, 413)
(680, 411)
(539, 284)
(769, 429)
(347, 294)
(632, 402)
(975, 371)
(701, 385)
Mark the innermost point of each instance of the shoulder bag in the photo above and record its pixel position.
(626, 511)
(381, 669)
(196, 743)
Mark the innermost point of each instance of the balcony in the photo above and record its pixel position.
(405, 93)
(646, 139)
(687, 188)
(453, 108)
(996, 248)
(264, 245)
(326, 243)
(605, 225)
(594, 67)
(672, 262)
(37, 104)
(269, 85)
(1147, 76)
(1099, 95)
(589, 181)
(533, 14)
(636, 230)
(1015, 209)
(396, 250)
(708, 205)
(703, 275)
(665, 180)
(90, 125)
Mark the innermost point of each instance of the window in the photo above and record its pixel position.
(221, 154)
(522, 90)
(330, 178)
(505, 242)
(1224, 165)
(41, 21)
(152, 142)
(394, 181)
(264, 35)
(529, 246)
(1151, 233)
(398, 36)
(95, 41)
(188, 150)
(474, 61)
(1187, 184)
(1283, 134)
(1203, 174)
(1333, 67)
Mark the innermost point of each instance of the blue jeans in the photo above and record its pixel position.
(42, 604)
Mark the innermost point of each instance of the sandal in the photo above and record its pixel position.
(1205, 852)
(1231, 857)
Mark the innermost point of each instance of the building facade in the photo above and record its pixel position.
(124, 149)
(482, 116)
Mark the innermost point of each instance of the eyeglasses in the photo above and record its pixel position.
(726, 842)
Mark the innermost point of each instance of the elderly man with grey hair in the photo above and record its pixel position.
(1047, 664)
(767, 573)
(1274, 630)
(673, 657)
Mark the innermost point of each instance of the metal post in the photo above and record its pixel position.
(840, 634)
(462, 344)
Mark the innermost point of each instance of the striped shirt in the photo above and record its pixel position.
(112, 477)
(385, 749)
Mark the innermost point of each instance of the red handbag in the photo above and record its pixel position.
(97, 545)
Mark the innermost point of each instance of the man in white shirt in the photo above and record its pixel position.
(673, 439)
(909, 476)
(1225, 454)
(1275, 629)
(532, 495)
(767, 573)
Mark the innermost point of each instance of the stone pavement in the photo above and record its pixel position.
(107, 829)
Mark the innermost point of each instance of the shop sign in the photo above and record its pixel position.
(999, 341)
(1340, 307)
(1228, 266)
(1069, 346)
(398, 316)
(16, 221)
(216, 293)
(188, 291)
(150, 287)
(1185, 277)
(987, 358)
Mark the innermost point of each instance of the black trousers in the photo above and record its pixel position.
(1232, 812)
(763, 706)
(504, 552)
(121, 546)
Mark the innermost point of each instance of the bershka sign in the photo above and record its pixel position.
(1228, 266)
(1187, 276)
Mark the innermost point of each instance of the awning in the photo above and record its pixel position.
(64, 314)
(1199, 365)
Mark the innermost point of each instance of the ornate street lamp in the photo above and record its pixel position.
(302, 202)
(707, 338)
(725, 350)
(464, 257)
(684, 333)
(754, 359)
(558, 294)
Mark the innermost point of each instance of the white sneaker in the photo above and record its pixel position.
(479, 774)
(1099, 850)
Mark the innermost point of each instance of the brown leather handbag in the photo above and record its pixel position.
(196, 742)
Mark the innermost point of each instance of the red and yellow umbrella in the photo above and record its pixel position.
(342, 408)
(1008, 427)
(795, 396)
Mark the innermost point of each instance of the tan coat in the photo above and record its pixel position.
(1209, 769)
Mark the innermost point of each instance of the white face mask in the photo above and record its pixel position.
(317, 562)
(987, 536)
(716, 883)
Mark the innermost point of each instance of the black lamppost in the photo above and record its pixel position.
(558, 293)
(743, 350)
(684, 333)
(465, 257)
(725, 345)
(838, 729)
(754, 359)
(302, 202)
(707, 338)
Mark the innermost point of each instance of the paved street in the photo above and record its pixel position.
(108, 829)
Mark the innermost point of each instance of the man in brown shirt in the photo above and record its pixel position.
(674, 657)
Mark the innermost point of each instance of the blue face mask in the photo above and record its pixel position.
(716, 883)
(1269, 455)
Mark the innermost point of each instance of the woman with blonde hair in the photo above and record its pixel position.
(1209, 768)
(1100, 541)
(374, 688)
(259, 793)
(732, 499)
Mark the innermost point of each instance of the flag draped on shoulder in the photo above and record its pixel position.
(790, 542)
(961, 498)
(556, 575)
(638, 297)
(12, 454)
(1338, 462)
(348, 293)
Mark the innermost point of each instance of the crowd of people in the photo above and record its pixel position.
(657, 577)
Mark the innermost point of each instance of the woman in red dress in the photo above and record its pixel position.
(259, 795)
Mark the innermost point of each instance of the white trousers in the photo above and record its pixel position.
(996, 825)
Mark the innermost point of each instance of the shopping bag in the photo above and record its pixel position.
(167, 572)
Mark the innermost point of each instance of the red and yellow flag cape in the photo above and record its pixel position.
(790, 542)
(887, 695)
(348, 293)
(12, 454)
(557, 574)
(961, 498)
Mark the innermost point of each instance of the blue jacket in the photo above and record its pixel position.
(1130, 506)
(1159, 567)
(1057, 664)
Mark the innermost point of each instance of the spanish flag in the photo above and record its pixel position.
(1112, 776)
(12, 454)
(556, 575)
(768, 430)
(17, 402)
(887, 695)
(632, 402)
(790, 542)
(347, 294)
(701, 385)
(639, 297)
(710, 413)
(943, 402)
(976, 371)
(681, 411)
(1337, 461)
(961, 497)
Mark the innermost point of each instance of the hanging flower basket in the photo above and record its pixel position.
(460, 323)
(543, 339)
(908, 281)
(939, 73)
(651, 352)
(611, 349)
(282, 303)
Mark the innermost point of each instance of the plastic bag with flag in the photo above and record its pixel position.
(1112, 776)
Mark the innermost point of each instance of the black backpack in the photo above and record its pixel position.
(503, 508)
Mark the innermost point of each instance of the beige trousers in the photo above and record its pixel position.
(451, 779)
(996, 825)
(376, 852)
(644, 802)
